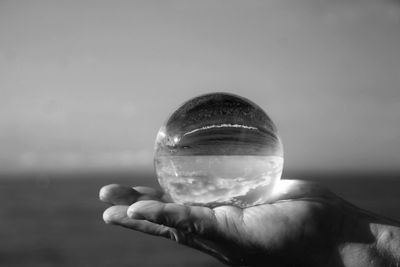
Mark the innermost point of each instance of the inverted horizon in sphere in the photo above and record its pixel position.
(218, 180)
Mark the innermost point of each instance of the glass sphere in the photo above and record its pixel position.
(218, 149)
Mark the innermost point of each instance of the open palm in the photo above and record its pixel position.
(301, 224)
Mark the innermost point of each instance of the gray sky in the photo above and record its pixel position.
(87, 84)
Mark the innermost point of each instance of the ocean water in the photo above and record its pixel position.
(213, 180)
(56, 219)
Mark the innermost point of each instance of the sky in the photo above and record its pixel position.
(85, 85)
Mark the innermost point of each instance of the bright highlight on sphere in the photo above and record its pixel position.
(218, 149)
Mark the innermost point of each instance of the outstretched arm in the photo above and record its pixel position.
(304, 225)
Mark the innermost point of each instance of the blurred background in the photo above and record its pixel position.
(85, 86)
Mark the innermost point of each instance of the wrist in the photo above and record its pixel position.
(368, 240)
(388, 242)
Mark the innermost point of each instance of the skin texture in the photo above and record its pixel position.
(302, 225)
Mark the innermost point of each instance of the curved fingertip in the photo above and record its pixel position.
(106, 192)
(135, 215)
(108, 216)
(114, 214)
(135, 210)
(118, 194)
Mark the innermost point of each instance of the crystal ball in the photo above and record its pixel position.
(218, 149)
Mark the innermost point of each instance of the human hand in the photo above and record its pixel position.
(303, 225)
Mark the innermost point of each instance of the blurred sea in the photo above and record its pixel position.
(56, 219)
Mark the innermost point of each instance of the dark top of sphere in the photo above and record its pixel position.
(217, 108)
(219, 124)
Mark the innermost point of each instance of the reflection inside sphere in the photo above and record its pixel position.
(218, 149)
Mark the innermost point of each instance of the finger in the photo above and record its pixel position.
(117, 215)
(189, 219)
(116, 194)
